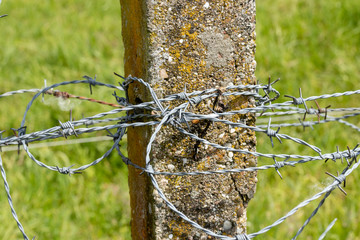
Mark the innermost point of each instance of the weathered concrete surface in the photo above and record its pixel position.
(203, 44)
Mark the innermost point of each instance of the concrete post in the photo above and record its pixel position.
(201, 44)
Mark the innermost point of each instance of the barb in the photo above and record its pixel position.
(179, 115)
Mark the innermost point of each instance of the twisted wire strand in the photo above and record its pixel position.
(215, 118)
(20, 91)
(295, 110)
(54, 132)
(312, 215)
(178, 117)
(63, 84)
(7, 190)
(312, 123)
(329, 188)
(350, 125)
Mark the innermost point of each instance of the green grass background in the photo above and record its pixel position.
(313, 45)
(309, 44)
(61, 41)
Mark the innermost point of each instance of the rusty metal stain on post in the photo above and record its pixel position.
(201, 44)
(133, 32)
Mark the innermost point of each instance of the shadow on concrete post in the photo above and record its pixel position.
(200, 44)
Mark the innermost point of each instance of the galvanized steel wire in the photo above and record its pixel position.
(180, 116)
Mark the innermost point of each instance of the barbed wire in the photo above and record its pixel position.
(175, 110)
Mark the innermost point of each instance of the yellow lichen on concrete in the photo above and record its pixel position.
(179, 229)
(201, 45)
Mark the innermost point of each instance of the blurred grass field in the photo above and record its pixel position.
(61, 41)
(312, 45)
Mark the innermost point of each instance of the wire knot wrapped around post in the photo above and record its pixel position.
(178, 116)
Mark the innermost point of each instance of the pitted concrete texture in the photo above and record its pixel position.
(200, 44)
